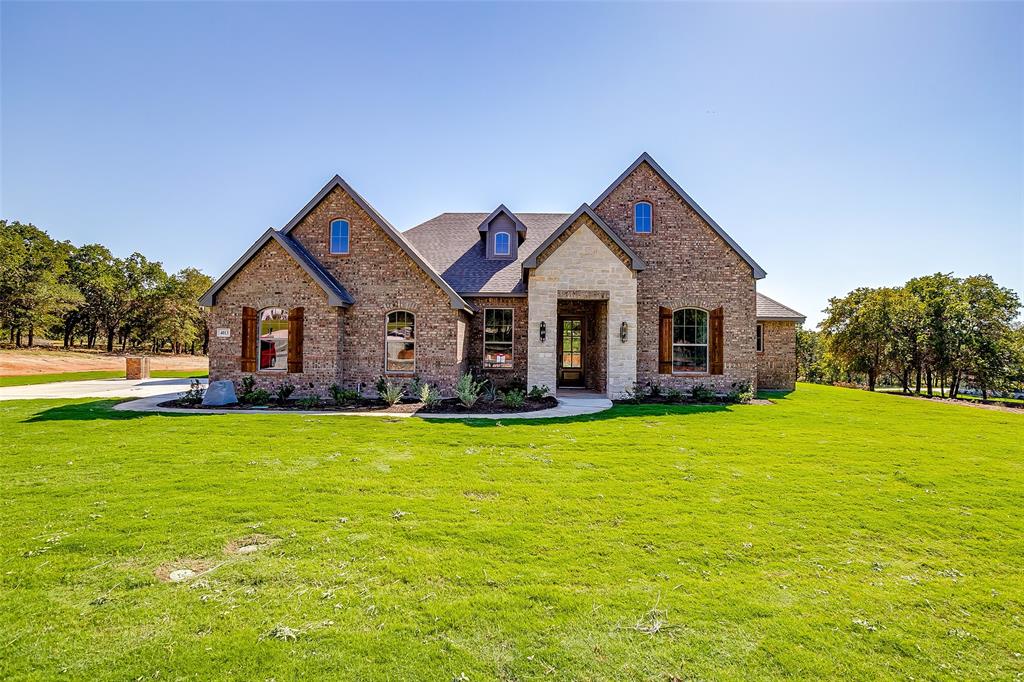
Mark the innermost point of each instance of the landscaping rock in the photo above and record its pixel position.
(181, 574)
(220, 393)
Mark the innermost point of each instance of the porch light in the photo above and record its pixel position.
(543, 331)
(624, 332)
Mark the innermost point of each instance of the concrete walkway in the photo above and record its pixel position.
(151, 392)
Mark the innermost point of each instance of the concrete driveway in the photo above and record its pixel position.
(98, 388)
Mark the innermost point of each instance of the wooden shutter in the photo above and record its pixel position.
(248, 339)
(664, 340)
(717, 346)
(295, 320)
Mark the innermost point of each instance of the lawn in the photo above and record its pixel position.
(833, 534)
(30, 379)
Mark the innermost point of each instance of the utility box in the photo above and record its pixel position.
(136, 367)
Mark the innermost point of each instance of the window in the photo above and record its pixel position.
(689, 340)
(502, 243)
(400, 342)
(273, 339)
(498, 337)
(760, 338)
(339, 236)
(642, 217)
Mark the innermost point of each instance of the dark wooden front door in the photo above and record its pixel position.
(571, 340)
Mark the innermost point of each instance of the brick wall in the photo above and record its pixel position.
(382, 278)
(776, 366)
(271, 279)
(688, 265)
(519, 338)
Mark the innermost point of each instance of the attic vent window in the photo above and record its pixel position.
(502, 244)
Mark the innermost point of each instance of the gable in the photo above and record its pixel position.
(370, 235)
(585, 217)
(645, 161)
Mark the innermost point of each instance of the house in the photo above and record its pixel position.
(639, 285)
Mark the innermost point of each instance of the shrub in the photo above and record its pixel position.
(513, 399)
(194, 394)
(283, 392)
(516, 383)
(257, 396)
(429, 395)
(490, 391)
(468, 390)
(636, 393)
(341, 395)
(538, 392)
(415, 386)
(309, 402)
(673, 395)
(390, 393)
(654, 389)
(701, 393)
(248, 384)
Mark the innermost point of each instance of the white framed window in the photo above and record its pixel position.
(642, 221)
(502, 244)
(339, 236)
(272, 340)
(498, 338)
(759, 343)
(400, 342)
(689, 340)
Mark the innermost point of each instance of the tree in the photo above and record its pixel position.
(856, 330)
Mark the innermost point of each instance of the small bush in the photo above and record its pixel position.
(283, 392)
(414, 387)
(390, 393)
(636, 393)
(513, 399)
(194, 394)
(248, 384)
(701, 393)
(490, 391)
(429, 395)
(340, 395)
(673, 395)
(468, 390)
(516, 383)
(257, 396)
(654, 389)
(309, 402)
(741, 392)
(538, 392)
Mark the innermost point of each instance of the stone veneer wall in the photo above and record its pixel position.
(273, 280)
(688, 265)
(381, 279)
(583, 262)
(519, 338)
(776, 365)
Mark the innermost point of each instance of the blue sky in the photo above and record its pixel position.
(839, 144)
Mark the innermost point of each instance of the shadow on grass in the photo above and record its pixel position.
(615, 412)
(93, 410)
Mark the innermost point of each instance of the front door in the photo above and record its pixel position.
(570, 351)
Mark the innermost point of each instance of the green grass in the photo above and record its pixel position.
(835, 534)
(960, 396)
(31, 379)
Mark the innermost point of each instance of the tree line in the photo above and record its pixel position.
(943, 331)
(86, 296)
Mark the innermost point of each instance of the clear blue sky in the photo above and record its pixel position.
(839, 144)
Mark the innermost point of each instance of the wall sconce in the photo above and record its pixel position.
(543, 331)
(624, 332)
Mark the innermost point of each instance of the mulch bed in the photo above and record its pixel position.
(447, 406)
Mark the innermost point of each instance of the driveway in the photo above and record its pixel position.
(98, 388)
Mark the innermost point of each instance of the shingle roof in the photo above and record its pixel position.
(770, 309)
(452, 245)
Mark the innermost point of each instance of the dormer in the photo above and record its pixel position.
(502, 233)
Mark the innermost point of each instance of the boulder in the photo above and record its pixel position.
(220, 393)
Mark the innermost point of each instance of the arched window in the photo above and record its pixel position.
(689, 340)
(273, 339)
(642, 217)
(400, 342)
(339, 236)
(502, 244)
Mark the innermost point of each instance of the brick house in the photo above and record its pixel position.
(638, 286)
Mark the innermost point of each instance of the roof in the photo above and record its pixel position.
(486, 223)
(770, 309)
(452, 245)
(388, 228)
(336, 293)
(636, 262)
(646, 158)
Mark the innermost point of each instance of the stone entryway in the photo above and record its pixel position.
(582, 350)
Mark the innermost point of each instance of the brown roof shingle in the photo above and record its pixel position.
(770, 309)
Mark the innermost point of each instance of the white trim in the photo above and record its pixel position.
(506, 252)
(512, 353)
(707, 344)
(650, 217)
(413, 341)
(348, 237)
